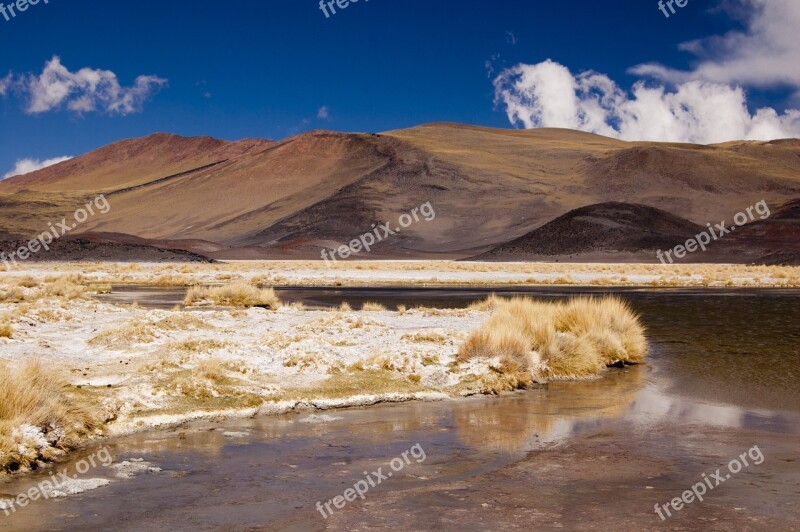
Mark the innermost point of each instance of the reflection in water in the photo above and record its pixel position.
(283, 464)
(548, 414)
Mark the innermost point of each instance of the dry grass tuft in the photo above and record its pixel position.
(239, 294)
(27, 282)
(490, 303)
(12, 295)
(368, 381)
(209, 385)
(39, 420)
(425, 336)
(541, 340)
(6, 329)
(119, 338)
(170, 280)
(66, 287)
(197, 346)
(372, 307)
(182, 322)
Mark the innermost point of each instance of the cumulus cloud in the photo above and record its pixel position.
(324, 113)
(26, 166)
(706, 104)
(764, 54)
(83, 91)
(547, 94)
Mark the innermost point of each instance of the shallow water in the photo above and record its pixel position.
(722, 377)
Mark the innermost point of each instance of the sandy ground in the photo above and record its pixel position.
(422, 273)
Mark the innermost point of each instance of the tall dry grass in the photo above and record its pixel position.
(6, 325)
(39, 420)
(64, 287)
(240, 294)
(564, 340)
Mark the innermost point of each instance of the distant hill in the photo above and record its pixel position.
(623, 232)
(258, 198)
(612, 228)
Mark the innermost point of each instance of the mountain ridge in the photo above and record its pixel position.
(320, 188)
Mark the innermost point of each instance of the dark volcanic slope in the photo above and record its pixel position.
(81, 249)
(603, 228)
(774, 240)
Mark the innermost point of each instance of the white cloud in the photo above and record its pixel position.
(26, 166)
(5, 84)
(547, 94)
(706, 104)
(324, 113)
(765, 54)
(83, 91)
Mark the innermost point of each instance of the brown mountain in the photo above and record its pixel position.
(257, 198)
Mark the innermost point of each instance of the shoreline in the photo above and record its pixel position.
(147, 368)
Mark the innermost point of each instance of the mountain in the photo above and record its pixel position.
(258, 198)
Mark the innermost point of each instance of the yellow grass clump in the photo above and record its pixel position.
(535, 340)
(39, 420)
(6, 329)
(27, 282)
(67, 287)
(239, 294)
(372, 307)
(122, 337)
(11, 295)
(425, 336)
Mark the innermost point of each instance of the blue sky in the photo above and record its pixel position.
(265, 68)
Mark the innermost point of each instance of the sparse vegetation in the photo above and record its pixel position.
(368, 381)
(238, 294)
(170, 280)
(12, 295)
(66, 287)
(135, 332)
(197, 346)
(182, 322)
(425, 336)
(6, 329)
(207, 385)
